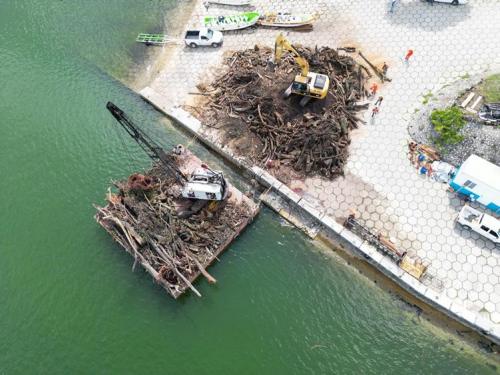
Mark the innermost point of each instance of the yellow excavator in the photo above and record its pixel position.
(308, 84)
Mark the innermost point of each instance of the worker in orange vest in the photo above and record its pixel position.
(408, 55)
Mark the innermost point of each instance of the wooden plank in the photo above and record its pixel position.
(479, 98)
(467, 100)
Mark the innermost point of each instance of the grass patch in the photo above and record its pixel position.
(427, 97)
(490, 88)
(447, 123)
(465, 76)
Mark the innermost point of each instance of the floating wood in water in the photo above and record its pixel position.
(174, 239)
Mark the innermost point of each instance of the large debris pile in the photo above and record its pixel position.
(149, 219)
(247, 103)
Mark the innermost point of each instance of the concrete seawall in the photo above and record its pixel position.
(301, 213)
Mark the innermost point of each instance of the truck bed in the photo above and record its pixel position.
(192, 35)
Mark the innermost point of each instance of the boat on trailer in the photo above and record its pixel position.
(287, 19)
(233, 22)
(230, 2)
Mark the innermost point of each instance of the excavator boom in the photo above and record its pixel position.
(282, 44)
(308, 84)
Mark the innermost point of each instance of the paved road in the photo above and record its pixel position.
(448, 42)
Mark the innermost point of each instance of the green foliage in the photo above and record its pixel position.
(447, 123)
(490, 88)
(427, 97)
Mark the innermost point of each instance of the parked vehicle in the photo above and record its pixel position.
(452, 2)
(479, 222)
(479, 180)
(203, 37)
(490, 113)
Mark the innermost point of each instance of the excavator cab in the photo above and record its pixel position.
(308, 84)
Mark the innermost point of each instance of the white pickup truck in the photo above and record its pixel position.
(203, 37)
(483, 224)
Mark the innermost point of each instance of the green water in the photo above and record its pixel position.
(69, 301)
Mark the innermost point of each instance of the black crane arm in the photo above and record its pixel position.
(152, 149)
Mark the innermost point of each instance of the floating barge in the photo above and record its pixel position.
(146, 217)
(164, 221)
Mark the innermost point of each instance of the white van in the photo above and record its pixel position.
(479, 180)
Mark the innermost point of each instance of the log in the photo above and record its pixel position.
(375, 69)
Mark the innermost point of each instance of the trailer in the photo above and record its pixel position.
(479, 180)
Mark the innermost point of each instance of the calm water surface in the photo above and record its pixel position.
(69, 301)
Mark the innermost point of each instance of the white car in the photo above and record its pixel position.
(452, 2)
(203, 37)
(479, 222)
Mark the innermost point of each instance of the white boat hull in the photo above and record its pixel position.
(287, 20)
(263, 23)
(230, 2)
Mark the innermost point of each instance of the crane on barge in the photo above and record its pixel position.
(204, 183)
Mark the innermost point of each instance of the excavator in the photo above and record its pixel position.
(308, 84)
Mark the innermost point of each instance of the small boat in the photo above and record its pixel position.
(287, 19)
(230, 2)
(234, 22)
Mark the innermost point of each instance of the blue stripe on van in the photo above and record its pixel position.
(493, 207)
(463, 190)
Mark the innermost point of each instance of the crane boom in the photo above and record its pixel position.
(152, 149)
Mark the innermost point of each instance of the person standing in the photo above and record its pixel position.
(385, 67)
(375, 111)
(393, 4)
(408, 55)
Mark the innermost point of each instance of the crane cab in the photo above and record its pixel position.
(205, 184)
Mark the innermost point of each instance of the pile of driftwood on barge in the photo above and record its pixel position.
(173, 238)
(176, 218)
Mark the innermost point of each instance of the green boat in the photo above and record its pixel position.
(234, 22)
